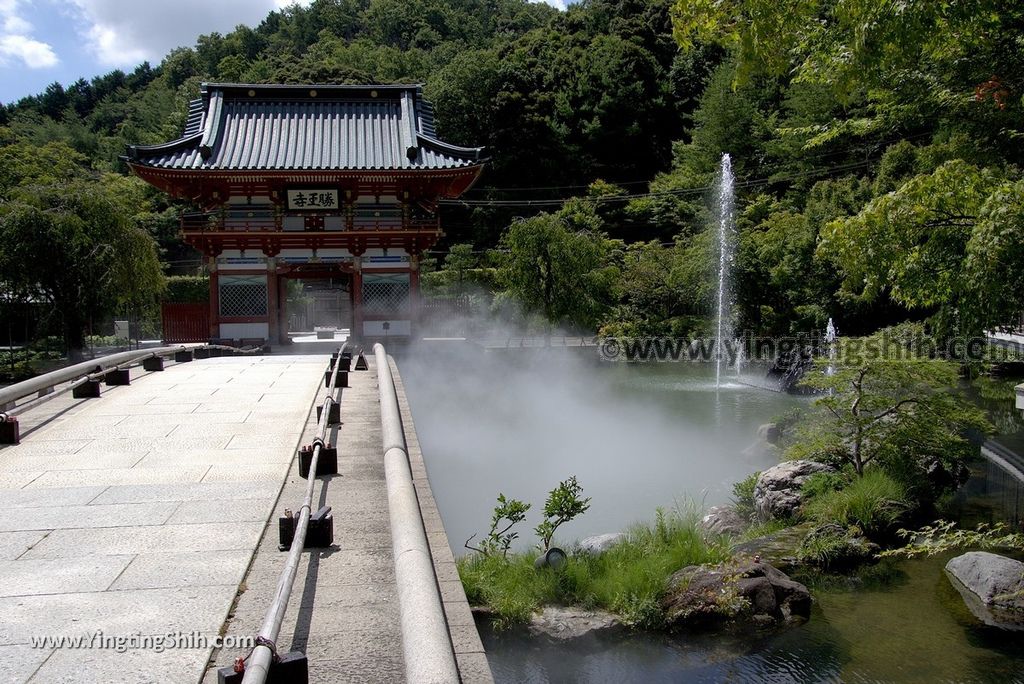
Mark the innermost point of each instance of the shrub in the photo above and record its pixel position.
(743, 496)
(873, 502)
(562, 505)
(507, 514)
(943, 536)
(187, 289)
(832, 546)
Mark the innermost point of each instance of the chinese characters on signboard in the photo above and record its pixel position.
(313, 199)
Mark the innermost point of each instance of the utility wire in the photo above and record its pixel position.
(680, 192)
(804, 157)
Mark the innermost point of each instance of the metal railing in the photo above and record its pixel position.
(262, 221)
(257, 667)
(43, 386)
(78, 374)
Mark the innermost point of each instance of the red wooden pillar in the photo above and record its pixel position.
(273, 303)
(414, 293)
(214, 298)
(357, 298)
(282, 310)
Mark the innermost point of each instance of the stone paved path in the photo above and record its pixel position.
(138, 513)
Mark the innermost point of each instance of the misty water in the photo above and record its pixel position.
(640, 436)
(636, 436)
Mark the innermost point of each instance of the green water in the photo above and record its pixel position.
(910, 626)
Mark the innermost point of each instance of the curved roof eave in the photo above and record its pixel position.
(474, 153)
(164, 147)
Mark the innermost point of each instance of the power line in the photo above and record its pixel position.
(680, 192)
(804, 157)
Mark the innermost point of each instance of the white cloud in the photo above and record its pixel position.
(558, 4)
(32, 53)
(17, 43)
(126, 32)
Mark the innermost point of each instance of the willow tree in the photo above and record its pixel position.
(74, 245)
(558, 268)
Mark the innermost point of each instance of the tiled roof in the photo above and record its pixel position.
(316, 127)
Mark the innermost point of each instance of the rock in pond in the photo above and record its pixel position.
(769, 432)
(598, 544)
(777, 493)
(992, 586)
(723, 520)
(563, 623)
(835, 547)
(781, 549)
(739, 594)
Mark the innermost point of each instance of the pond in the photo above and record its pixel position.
(636, 437)
(642, 436)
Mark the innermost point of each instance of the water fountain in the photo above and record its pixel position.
(830, 339)
(740, 357)
(726, 220)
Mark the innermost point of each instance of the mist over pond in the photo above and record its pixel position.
(637, 436)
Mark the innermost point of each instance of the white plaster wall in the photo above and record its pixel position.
(237, 331)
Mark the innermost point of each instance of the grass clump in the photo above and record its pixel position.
(743, 496)
(509, 586)
(628, 580)
(874, 502)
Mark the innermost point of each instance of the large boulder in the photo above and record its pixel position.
(738, 594)
(598, 544)
(723, 520)
(992, 586)
(778, 491)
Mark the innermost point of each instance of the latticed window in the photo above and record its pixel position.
(243, 295)
(385, 293)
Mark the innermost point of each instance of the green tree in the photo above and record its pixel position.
(885, 404)
(73, 244)
(954, 62)
(555, 270)
(912, 245)
(459, 260)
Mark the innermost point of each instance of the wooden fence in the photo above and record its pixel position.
(185, 322)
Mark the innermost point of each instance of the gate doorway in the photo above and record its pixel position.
(320, 303)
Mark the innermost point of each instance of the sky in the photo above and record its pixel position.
(42, 41)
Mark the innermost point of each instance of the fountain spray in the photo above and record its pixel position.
(830, 339)
(726, 205)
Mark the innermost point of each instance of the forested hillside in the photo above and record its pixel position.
(876, 144)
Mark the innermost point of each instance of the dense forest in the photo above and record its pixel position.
(876, 145)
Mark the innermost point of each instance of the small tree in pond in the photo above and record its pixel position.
(563, 504)
(890, 406)
(507, 514)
